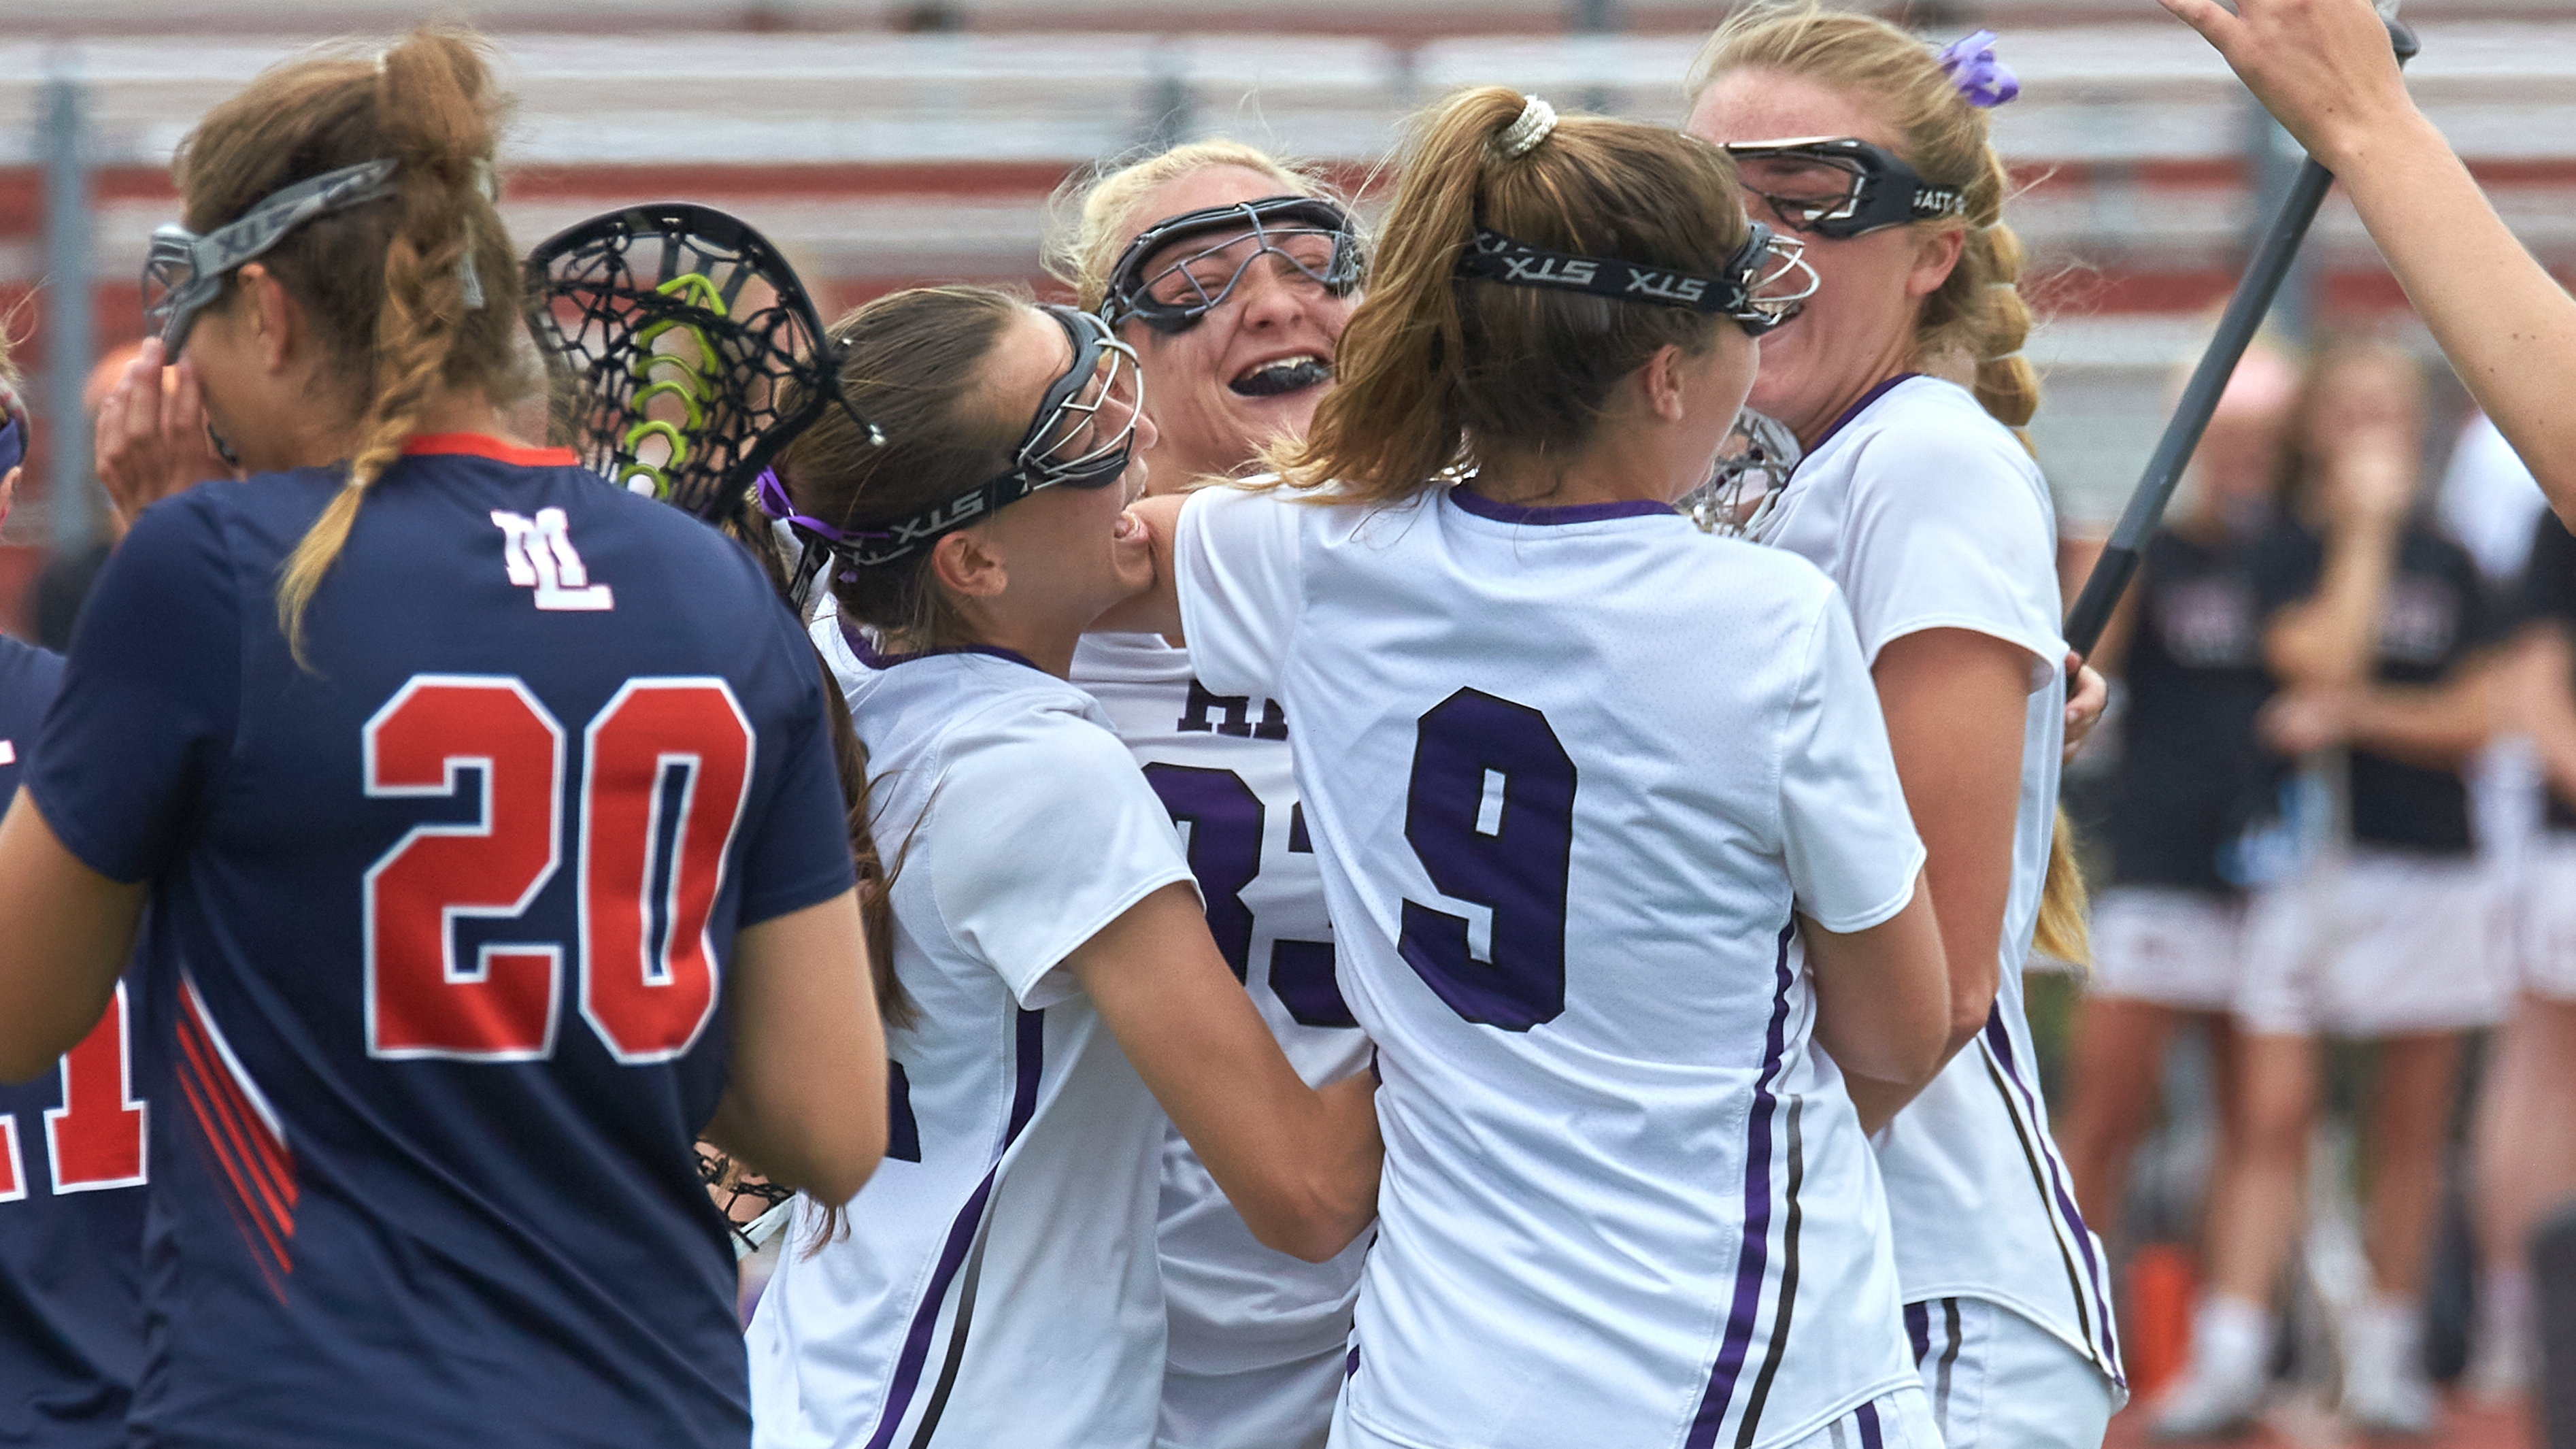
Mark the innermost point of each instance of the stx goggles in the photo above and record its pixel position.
(184, 271)
(1761, 287)
(1840, 186)
(1199, 258)
(1081, 437)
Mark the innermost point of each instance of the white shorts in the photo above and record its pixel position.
(1996, 1380)
(2391, 943)
(2544, 918)
(2170, 945)
(1286, 1406)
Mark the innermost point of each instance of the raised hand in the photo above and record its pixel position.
(2323, 67)
(152, 437)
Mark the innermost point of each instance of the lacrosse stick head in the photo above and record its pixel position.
(682, 354)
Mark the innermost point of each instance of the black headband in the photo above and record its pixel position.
(1494, 257)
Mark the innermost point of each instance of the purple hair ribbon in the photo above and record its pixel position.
(775, 503)
(1983, 81)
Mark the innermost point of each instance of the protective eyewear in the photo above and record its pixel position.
(183, 271)
(1838, 187)
(1761, 286)
(1082, 436)
(1314, 238)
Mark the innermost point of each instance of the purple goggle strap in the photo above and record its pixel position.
(13, 445)
(775, 503)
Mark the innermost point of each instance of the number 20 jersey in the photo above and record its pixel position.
(1569, 770)
(439, 937)
(1220, 765)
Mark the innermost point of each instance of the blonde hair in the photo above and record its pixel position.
(383, 285)
(1433, 368)
(1090, 216)
(1978, 312)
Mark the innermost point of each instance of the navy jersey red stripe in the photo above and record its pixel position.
(73, 1160)
(442, 917)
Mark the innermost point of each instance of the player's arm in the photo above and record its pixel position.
(1955, 702)
(1157, 610)
(1300, 1164)
(2325, 69)
(1883, 1005)
(2437, 726)
(806, 1104)
(70, 932)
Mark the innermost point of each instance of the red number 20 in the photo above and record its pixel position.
(94, 1140)
(666, 771)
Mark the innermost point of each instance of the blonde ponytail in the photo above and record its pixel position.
(2061, 930)
(408, 297)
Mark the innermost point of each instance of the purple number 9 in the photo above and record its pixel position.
(1490, 812)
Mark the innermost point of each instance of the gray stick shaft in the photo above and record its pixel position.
(2236, 328)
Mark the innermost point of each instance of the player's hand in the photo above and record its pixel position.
(2324, 68)
(2299, 721)
(2087, 694)
(152, 438)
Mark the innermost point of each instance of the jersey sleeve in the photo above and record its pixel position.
(1950, 531)
(1037, 841)
(800, 855)
(1850, 842)
(150, 697)
(1237, 567)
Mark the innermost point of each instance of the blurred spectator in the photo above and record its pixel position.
(66, 578)
(2372, 617)
(2187, 645)
(2526, 1126)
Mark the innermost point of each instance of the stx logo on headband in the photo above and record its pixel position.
(1668, 286)
(1557, 271)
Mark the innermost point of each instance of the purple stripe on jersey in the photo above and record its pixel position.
(1918, 1328)
(1031, 1038)
(2001, 1042)
(1484, 507)
(1856, 409)
(1867, 1415)
(1351, 1365)
(1752, 1262)
(861, 646)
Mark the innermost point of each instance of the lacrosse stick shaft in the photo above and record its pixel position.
(2236, 328)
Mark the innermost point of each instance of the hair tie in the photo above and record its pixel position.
(1983, 81)
(1522, 136)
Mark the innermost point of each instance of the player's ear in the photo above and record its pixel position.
(1936, 252)
(1661, 380)
(965, 563)
(274, 322)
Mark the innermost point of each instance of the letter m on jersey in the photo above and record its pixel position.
(539, 554)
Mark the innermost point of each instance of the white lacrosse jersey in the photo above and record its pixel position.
(1931, 515)
(995, 1282)
(1569, 770)
(1220, 764)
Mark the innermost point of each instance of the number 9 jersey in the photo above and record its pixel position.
(1569, 771)
(436, 960)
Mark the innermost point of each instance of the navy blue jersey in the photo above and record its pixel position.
(2192, 773)
(441, 917)
(72, 1165)
(2434, 615)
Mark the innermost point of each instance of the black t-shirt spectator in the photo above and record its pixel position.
(2549, 593)
(2433, 616)
(2191, 774)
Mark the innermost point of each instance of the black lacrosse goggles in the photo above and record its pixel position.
(683, 353)
(1839, 187)
(1082, 436)
(183, 272)
(1311, 235)
(1761, 287)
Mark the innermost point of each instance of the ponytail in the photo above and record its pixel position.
(1433, 368)
(2061, 930)
(408, 297)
